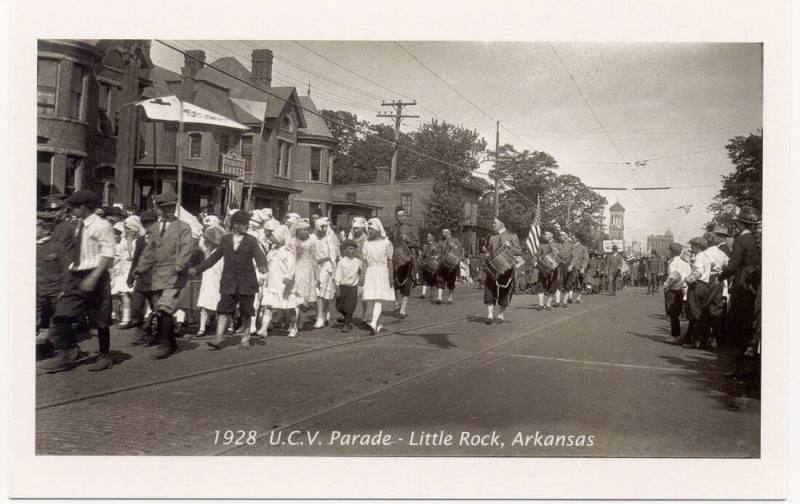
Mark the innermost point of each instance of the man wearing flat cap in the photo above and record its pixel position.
(742, 271)
(167, 258)
(86, 285)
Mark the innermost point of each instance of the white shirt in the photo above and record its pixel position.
(347, 271)
(97, 241)
(680, 271)
(718, 259)
(701, 267)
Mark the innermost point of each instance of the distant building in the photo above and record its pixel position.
(660, 243)
(377, 199)
(616, 228)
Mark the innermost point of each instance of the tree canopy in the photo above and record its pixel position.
(744, 186)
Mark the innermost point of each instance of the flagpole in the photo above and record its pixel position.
(255, 158)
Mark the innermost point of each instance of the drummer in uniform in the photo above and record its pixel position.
(429, 254)
(403, 235)
(446, 275)
(498, 291)
(547, 266)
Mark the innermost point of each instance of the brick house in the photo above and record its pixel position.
(292, 158)
(81, 88)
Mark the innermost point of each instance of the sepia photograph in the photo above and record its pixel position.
(405, 248)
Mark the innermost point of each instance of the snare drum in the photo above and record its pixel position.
(401, 255)
(548, 263)
(431, 266)
(502, 262)
(451, 260)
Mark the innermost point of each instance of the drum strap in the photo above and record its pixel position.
(498, 286)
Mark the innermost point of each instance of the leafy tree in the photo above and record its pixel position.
(460, 147)
(743, 187)
(576, 208)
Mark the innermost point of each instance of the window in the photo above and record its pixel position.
(225, 143)
(316, 164)
(76, 92)
(284, 165)
(195, 145)
(287, 124)
(72, 174)
(44, 170)
(280, 157)
(247, 152)
(47, 82)
(405, 201)
(103, 108)
(170, 142)
(314, 208)
(290, 151)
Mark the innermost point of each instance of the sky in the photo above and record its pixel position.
(596, 107)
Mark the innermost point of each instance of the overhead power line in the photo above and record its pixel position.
(314, 112)
(586, 100)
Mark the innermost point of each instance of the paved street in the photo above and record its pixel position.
(597, 374)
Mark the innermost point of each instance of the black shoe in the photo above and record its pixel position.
(63, 361)
(489, 321)
(103, 362)
(128, 325)
(163, 352)
(214, 345)
(569, 301)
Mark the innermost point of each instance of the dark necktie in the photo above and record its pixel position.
(163, 228)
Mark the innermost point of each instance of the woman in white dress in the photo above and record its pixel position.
(208, 298)
(277, 293)
(378, 281)
(326, 253)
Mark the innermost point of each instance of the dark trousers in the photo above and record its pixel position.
(652, 285)
(614, 280)
(741, 317)
(346, 300)
(403, 279)
(499, 290)
(673, 304)
(76, 306)
(139, 301)
(45, 309)
(446, 277)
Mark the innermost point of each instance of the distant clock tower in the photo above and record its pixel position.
(616, 227)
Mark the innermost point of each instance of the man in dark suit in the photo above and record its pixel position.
(239, 283)
(742, 273)
(498, 290)
(404, 235)
(142, 286)
(614, 269)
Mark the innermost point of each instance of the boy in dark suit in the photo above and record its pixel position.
(239, 283)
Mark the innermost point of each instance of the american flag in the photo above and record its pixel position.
(536, 228)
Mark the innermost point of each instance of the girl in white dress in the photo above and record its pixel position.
(130, 230)
(305, 281)
(208, 298)
(326, 253)
(378, 282)
(277, 293)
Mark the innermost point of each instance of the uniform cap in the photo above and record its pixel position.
(83, 197)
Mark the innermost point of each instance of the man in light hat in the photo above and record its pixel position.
(742, 271)
(86, 285)
(167, 256)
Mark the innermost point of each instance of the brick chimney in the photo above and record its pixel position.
(261, 74)
(193, 62)
(384, 175)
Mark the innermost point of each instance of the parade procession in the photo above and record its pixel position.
(228, 248)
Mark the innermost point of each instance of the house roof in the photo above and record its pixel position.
(159, 77)
(315, 124)
(616, 207)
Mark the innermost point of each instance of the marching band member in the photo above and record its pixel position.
(404, 238)
(445, 275)
(498, 291)
(547, 265)
(278, 290)
(326, 253)
(378, 281)
(428, 252)
(565, 267)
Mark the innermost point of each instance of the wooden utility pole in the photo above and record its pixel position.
(398, 119)
(497, 173)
